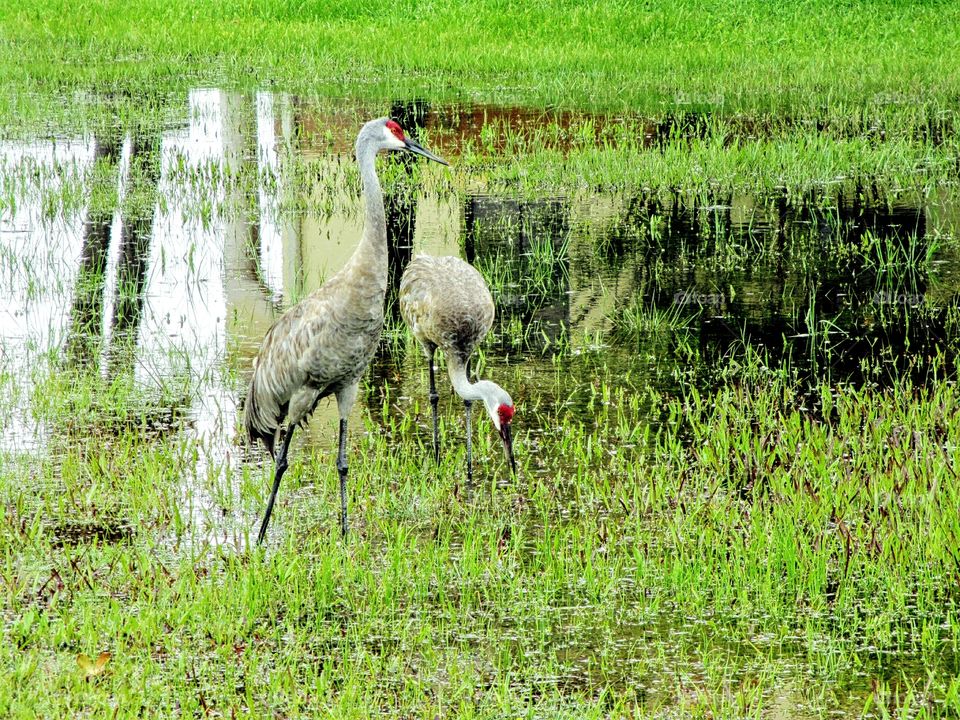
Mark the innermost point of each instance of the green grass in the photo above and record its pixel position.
(746, 55)
(743, 550)
(745, 544)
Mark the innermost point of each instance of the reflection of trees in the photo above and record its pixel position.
(821, 281)
(521, 247)
(87, 320)
(129, 200)
(140, 197)
(86, 314)
(400, 205)
(797, 276)
(400, 208)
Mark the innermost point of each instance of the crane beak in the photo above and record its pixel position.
(506, 434)
(415, 147)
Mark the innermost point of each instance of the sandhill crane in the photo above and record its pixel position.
(323, 344)
(446, 304)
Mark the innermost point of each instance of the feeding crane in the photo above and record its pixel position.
(323, 344)
(446, 304)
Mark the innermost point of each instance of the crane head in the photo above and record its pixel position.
(500, 408)
(395, 139)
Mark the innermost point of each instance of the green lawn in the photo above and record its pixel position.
(612, 55)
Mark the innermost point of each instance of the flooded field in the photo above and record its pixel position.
(178, 275)
(661, 346)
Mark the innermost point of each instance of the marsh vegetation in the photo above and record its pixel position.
(729, 319)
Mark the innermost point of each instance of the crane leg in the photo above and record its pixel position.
(469, 405)
(342, 470)
(434, 399)
(281, 468)
(345, 398)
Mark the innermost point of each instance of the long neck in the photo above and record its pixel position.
(372, 250)
(458, 377)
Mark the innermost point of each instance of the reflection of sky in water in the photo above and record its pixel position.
(182, 335)
(37, 271)
(213, 280)
(113, 255)
(35, 251)
(184, 305)
(268, 157)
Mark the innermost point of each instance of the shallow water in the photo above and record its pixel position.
(865, 274)
(179, 294)
(175, 291)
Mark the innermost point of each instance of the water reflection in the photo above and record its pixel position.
(93, 315)
(401, 201)
(838, 290)
(148, 283)
(87, 311)
(521, 247)
(178, 284)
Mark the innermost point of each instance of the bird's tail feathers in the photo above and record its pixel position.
(260, 425)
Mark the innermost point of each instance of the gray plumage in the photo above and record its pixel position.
(446, 304)
(323, 344)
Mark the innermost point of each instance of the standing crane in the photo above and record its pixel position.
(446, 303)
(323, 344)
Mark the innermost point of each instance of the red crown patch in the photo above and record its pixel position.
(397, 131)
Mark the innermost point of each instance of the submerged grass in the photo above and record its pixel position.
(750, 552)
(800, 165)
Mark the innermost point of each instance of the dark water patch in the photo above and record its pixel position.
(858, 291)
(521, 248)
(846, 293)
(69, 533)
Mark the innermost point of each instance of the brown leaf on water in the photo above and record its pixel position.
(92, 668)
